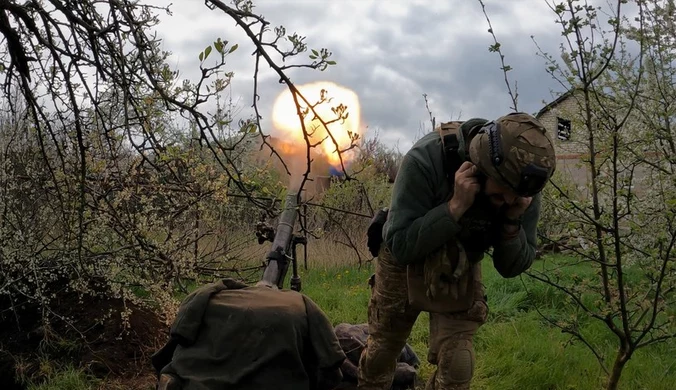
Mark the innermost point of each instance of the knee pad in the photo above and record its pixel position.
(456, 363)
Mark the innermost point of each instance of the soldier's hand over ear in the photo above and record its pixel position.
(518, 208)
(466, 187)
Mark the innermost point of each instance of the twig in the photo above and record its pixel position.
(505, 68)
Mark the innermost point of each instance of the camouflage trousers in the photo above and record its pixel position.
(391, 318)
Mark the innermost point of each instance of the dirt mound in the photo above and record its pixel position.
(86, 331)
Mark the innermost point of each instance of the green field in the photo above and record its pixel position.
(515, 349)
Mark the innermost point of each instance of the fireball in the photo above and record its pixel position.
(337, 106)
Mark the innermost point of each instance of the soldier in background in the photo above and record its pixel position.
(461, 190)
(228, 335)
(353, 338)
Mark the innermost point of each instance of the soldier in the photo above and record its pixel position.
(228, 335)
(461, 190)
(352, 339)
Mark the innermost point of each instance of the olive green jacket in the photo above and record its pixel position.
(230, 336)
(419, 220)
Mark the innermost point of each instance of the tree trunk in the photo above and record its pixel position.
(614, 379)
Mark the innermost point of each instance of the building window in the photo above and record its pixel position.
(562, 129)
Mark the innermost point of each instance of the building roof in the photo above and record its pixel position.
(554, 103)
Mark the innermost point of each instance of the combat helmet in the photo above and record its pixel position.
(516, 151)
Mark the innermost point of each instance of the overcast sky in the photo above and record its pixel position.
(389, 53)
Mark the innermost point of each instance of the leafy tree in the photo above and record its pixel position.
(116, 179)
(618, 65)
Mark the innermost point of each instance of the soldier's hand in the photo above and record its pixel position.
(168, 382)
(466, 187)
(518, 208)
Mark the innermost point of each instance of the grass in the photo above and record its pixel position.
(515, 349)
(68, 378)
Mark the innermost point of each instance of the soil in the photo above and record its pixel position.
(118, 355)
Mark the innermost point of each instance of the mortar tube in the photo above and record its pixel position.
(274, 273)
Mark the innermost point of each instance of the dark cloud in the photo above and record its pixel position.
(390, 54)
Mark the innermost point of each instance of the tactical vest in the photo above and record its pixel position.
(450, 143)
(467, 275)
